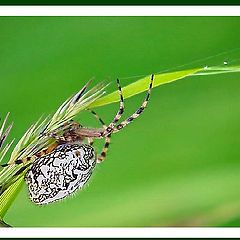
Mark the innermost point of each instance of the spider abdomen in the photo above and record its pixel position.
(58, 174)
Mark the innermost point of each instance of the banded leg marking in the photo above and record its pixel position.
(37, 155)
(121, 107)
(102, 155)
(98, 118)
(18, 162)
(119, 114)
(90, 141)
(138, 112)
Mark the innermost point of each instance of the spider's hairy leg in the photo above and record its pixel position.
(102, 155)
(111, 126)
(18, 162)
(90, 141)
(22, 169)
(137, 113)
(121, 107)
(45, 151)
(108, 129)
(98, 118)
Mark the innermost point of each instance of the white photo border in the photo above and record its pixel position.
(154, 232)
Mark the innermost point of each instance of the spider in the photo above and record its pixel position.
(66, 165)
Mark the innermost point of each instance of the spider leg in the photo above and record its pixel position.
(109, 129)
(137, 113)
(49, 149)
(98, 118)
(102, 155)
(22, 169)
(121, 107)
(17, 162)
(90, 141)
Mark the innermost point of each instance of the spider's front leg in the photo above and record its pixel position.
(101, 157)
(112, 127)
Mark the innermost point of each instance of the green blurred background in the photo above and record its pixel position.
(179, 164)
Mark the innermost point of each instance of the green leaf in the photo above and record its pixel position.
(7, 198)
(142, 85)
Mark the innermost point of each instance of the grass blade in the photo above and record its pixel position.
(142, 85)
(7, 198)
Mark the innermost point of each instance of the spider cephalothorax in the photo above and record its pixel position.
(68, 163)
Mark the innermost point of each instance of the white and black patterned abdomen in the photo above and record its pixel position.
(60, 173)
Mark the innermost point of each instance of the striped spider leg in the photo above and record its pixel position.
(113, 127)
(102, 155)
